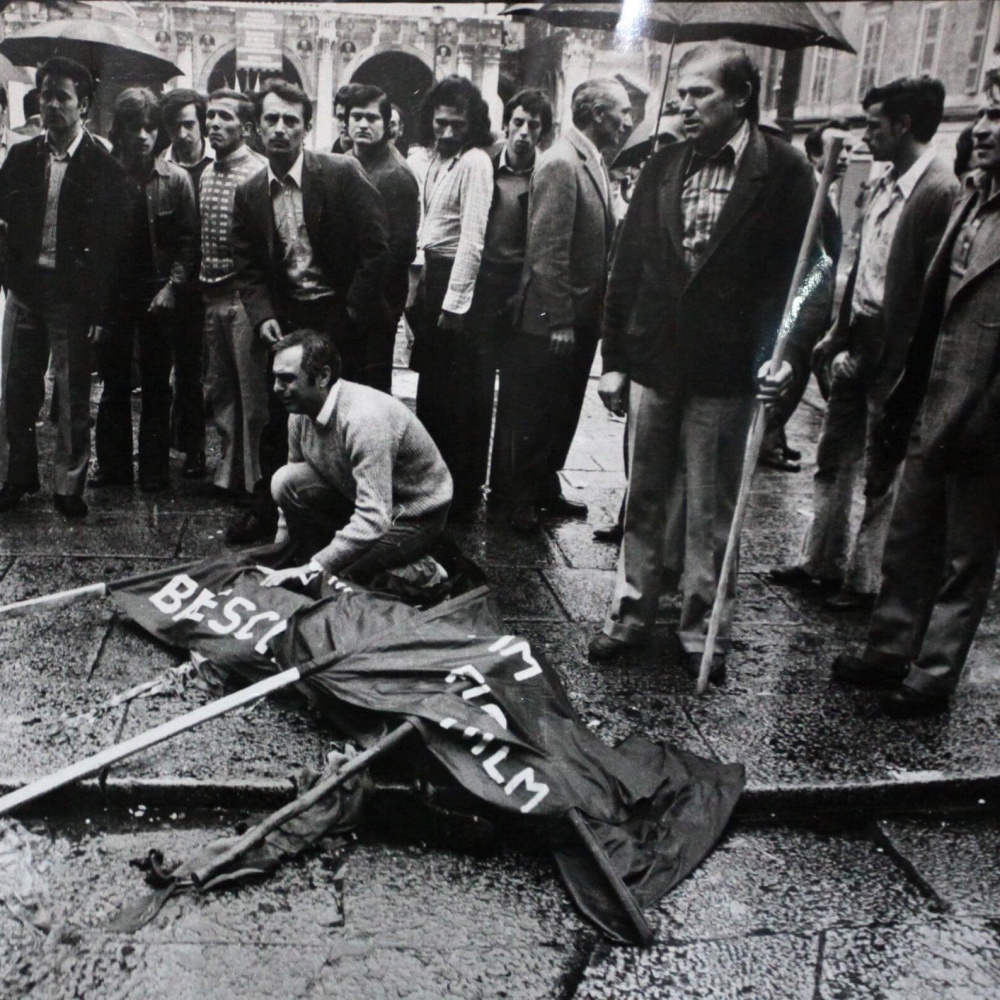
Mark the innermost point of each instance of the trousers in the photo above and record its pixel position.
(679, 441)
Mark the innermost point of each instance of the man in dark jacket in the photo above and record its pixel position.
(61, 200)
(310, 239)
(696, 296)
(154, 275)
(368, 113)
(944, 414)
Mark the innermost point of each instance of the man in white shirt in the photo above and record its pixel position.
(867, 345)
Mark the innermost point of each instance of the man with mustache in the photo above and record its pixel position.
(310, 240)
(944, 415)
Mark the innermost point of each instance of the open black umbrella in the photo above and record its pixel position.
(791, 24)
(109, 50)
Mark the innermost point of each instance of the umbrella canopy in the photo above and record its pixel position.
(786, 25)
(110, 51)
(15, 74)
(640, 142)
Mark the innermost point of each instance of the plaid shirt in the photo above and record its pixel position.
(705, 191)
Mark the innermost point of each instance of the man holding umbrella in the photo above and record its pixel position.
(61, 200)
(695, 299)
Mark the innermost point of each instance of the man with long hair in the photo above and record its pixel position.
(455, 390)
(154, 272)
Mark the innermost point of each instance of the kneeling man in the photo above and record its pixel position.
(365, 488)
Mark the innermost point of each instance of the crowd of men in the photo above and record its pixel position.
(244, 281)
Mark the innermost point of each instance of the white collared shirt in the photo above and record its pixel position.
(330, 404)
(877, 232)
(56, 171)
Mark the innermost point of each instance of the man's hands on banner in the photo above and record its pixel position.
(771, 388)
(294, 574)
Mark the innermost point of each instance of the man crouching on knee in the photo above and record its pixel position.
(365, 488)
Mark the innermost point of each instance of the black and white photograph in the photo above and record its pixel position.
(499, 501)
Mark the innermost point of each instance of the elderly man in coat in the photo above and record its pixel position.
(944, 537)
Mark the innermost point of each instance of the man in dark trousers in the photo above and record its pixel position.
(696, 296)
(368, 113)
(183, 114)
(867, 346)
(527, 121)
(155, 273)
(570, 226)
(944, 414)
(62, 199)
(310, 240)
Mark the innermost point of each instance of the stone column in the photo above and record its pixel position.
(577, 59)
(491, 87)
(324, 131)
(185, 60)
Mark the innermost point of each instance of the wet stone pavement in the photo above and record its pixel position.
(848, 873)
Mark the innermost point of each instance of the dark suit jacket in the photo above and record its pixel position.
(346, 222)
(570, 226)
(708, 330)
(917, 236)
(93, 221)
(952, 374)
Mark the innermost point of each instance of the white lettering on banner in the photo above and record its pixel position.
(527, 778)
(174, 600)
(521, 648)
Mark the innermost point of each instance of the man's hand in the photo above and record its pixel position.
(829, 345)
(352, 314)
(613, 390)
(165, 299)
(843, 366)
(270, 331)
(296, 574)
(96, 334)
(562, 340)
(451, 322)
(771, 388)
(413, 278)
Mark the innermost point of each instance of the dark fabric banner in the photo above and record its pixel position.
(488, 707)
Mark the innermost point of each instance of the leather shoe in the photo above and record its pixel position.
(604, 649)
(691, 662)
(100, 479)
(561, 506)
(907, 703)
(796, 576)
(612, 534)
(70, 506)
(849, 599)
(775, 458)
(525, 520)
(194, 466)
(11, 493)
(252, 527)
(887, 672)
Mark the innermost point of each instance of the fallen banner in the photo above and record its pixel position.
(486, 704)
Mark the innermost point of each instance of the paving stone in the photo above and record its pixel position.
(787, 880)
(500, 545)
(575, 540)
(776, 967)
(939, 959)
(523, 594)
(956, 856)
(420, 922)
(584, 593)
(833, 737)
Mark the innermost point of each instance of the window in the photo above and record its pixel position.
(977, 45)
(871, 55)
(931, 29)
(819, 87)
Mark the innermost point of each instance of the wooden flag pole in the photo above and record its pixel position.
(756, 434)
(111, 755)
(64, 598)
